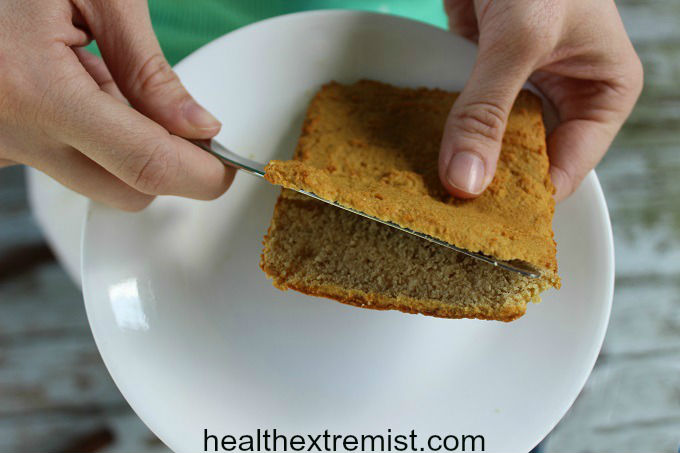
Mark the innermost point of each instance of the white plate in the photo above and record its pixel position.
(196, 337)
(59, 212)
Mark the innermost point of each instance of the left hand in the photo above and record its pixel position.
(576, 52)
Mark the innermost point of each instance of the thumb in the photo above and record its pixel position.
(133, 56)
(475, 126)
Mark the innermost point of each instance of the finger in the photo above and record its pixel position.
(75, 171)
(132, 53)
(79, 23)
(474, 128)
(592, 114)
(575, 147)
(97, 69)
(462, 18)
(136, 149)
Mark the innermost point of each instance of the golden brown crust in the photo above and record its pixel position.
(373, 147)
(416, 306)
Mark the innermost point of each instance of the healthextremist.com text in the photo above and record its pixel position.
(273, 440)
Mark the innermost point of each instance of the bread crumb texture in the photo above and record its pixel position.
(373, 147)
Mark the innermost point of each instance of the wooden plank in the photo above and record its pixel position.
(632, 400)
(645, 319)
(41, 304)
(630, 405)
(59, 431)
(62, 372)
(55, 391)
(640, 186)
(650, 21)
(16, 224)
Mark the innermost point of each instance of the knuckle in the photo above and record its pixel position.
(481, 119)
(155, 75)
(152, 171)
(526, 33)
(624, 89)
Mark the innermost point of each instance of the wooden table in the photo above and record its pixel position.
(56, 394)
(632, 399)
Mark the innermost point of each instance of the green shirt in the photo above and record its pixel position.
(184, 25)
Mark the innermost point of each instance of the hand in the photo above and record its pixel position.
(575, 51)
(64, 111)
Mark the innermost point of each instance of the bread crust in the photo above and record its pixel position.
(373, 147)
(319, 250)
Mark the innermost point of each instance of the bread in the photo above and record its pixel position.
(373, 147)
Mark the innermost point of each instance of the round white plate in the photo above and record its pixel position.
(197, 338)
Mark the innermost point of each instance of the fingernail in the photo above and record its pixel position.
(466, 172)
(199, 117)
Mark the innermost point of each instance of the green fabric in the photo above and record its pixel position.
(183, 25)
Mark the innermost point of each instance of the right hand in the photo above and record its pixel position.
(65, 111)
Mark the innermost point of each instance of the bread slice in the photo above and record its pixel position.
(321, 250)
(373, 147)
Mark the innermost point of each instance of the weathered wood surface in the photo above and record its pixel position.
(55, 392)
(632, 400)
